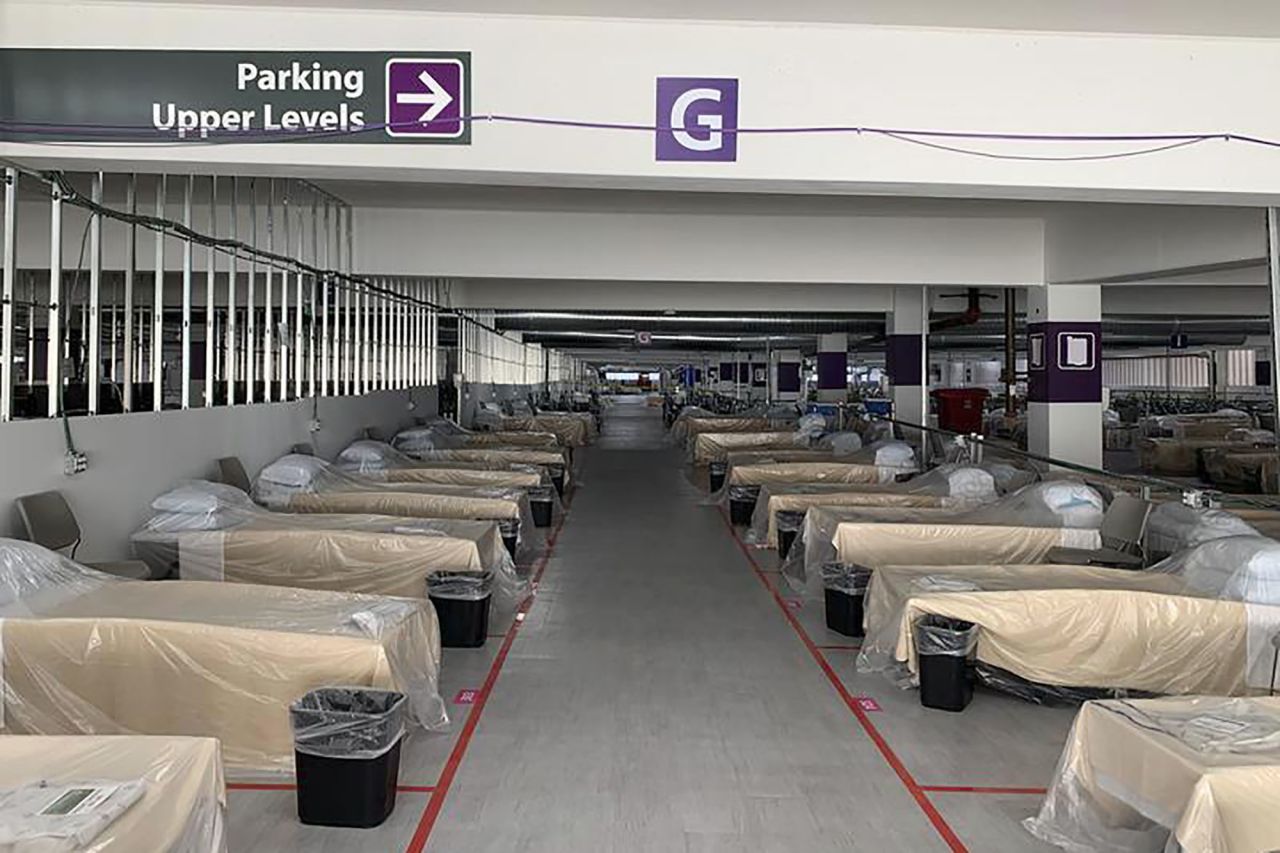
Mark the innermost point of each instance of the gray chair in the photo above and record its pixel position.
(231, 472)
(305, 448)
(1123, 529)
(47, 520)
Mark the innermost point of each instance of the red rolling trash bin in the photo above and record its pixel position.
(960, 409)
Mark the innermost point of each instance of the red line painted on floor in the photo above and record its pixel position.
(981, 789)
(917, 793)
(290, 786)
(436, 803)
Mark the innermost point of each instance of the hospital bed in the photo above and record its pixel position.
(87, 654)
(1214, 637)
(446, 435)
(211, 531)
(379, 461)
(304, 484)
(708, 447)
(169, 795)
(1191, 774)
(948, 486)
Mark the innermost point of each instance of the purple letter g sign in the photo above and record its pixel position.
(697, 118)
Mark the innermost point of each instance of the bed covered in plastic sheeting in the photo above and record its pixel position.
(305, 484)
(441, 434)
(946, 486)
(1206, 425)
(88, 653)
(685, 429)
(211, 531)
(1174, 527)
(892, 586)
(572, 430)
(1196, 775)
(379, 461)
(1214, 638)
(710, 447)
(151, 794)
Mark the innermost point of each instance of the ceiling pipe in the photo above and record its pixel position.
(970, 316)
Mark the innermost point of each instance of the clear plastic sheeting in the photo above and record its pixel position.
(376, 460)
(1237, 568)
(1106, 640)
(890, 544)
(710, 447)
(1195, 775)
(687, 430)
(89, 654)
(457, 586)
(347, 722)
(841, 443)
(812, 426)
(441, 434)
(893, 586)
(298, 483)
(200, 506)
(942, 637)
(953, 487)
(1174, 527)
(570, 429)
(170, 794)
(846, 579)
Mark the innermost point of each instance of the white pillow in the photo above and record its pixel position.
(199, 498)
(296, 469)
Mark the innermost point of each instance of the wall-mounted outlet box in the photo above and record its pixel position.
(314, 425)
(74, 463)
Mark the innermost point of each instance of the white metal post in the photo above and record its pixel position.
(6, 308)
(157, 303)
(1273, 274)
(327, 349)
(53, 371)
(188, 191)
(251, 303)
(233, 349)
(130, 270)
(210, 298)
(94, 330)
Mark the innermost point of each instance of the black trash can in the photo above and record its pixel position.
(715, 474)
(845, 589)
(742, 503)
(945, 648)
(557, 478)
(461, 600)
(510, 530)
(347, 755)
(788, 523)
(540, 503)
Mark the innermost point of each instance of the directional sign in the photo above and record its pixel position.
(167, 96)
(644, 339)
(424, 97)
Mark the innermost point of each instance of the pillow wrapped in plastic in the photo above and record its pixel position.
(367, 455)
(842, 443)
(895, 454)
(1236, 568)
(811, 426)
(1173, 527)
(295, 469)
(201, 498)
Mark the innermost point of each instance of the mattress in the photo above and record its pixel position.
(1138, 774)
(181, 810)
(1109, 639)
(872, 545)
(892, 586)
(776, 499)
(408, 504)
(1176, 457)
(685, 429)
(759, 457)
(545, 440)
(338, 560)
(458, 477)
(788, 473)
(570, 430)
(82, 653)
(710, 447)
(495, 456)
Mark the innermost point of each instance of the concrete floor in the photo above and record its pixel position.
(661, 695)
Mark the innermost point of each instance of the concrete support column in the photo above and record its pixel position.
(785, 374)
(756, 376)
(907, 328)
(833, 368)
(728, 375)
(1064, 372)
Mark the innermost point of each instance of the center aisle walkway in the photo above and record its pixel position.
(656, 699)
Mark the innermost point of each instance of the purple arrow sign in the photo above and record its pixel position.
(424, 97)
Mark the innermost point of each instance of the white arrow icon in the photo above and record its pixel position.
(436, 97)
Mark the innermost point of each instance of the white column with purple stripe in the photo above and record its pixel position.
(786, 375)
(906, 354)
(1064, 372)
(833, 368)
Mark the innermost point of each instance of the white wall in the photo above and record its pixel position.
(133, 458)
(791, 74)
(643, 247)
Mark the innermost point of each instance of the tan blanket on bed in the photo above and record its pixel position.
(687, 428)
(183, 809)
(789, 473)
(408, 504)
(457, 477)
(1101, 638)
(873, 545)
(338, 560)
(1123, 766)
(545, 440)
(186, 658)
(569, 430)
(776, 502)
(715, 446)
